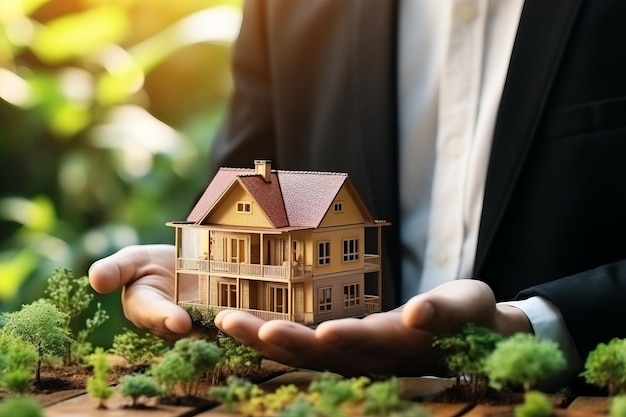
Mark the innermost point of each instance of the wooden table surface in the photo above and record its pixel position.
(78, 403)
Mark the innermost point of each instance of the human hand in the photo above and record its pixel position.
(146, 274)
(397, 342)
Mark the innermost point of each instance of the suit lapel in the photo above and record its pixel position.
(374, 86)
(542, 36)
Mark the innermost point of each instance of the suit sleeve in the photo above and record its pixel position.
(592, 304)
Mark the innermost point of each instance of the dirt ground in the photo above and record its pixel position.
(63, 382)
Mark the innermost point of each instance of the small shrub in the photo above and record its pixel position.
(536, 404)
(20, 407)
(300, 407)
(605, 366)
(236, 358)
(18, 362)
(383, 398)
(332, 392)
(523, 359)
(137, 349)
(185, 363)
(617, 406)
(98, 384)
(235, 391)
(464, 353)
(137, 386)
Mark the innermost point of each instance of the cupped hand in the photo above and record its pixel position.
(146, 274)
(396, 342)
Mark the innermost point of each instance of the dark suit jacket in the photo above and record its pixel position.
(315, 88)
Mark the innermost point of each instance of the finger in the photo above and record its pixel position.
(378, 334)
(245, 328)
(128, 264)
(301, 347)
(451, 305)
(149, 306)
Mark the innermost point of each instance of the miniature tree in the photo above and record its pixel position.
(138, 349)
(605, 366)
(185, 363)
(137, 386)
(82, 348)
(98, 384)
(464, 353)
(72, 296)
(39, 324)
(523, 359)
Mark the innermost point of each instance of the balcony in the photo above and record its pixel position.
(231, 269)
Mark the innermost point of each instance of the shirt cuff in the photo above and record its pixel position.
(547, 323)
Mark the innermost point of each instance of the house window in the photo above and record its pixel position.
(244, 207)
(325, 298)
(352, 294)
(278, 299)
(338, 206)
(323, 253)
(227, 294)
(350, 250)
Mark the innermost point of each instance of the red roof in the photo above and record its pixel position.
(297, 199)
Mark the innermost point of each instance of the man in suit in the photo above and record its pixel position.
(316, 88)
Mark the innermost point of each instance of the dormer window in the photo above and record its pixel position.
(338, 206)
(244, 207)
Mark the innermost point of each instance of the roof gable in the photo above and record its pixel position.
(268, 196)
(219, 184)
(291, 199)
(308, 195)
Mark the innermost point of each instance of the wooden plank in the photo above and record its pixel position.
(424, 389)
(85, 405)
(589, 405)
(447, 410)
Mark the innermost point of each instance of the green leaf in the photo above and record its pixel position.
(14, 271)
(80, 34)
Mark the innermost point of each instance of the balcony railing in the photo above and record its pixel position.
(370, 262)
(265, 315)
(372, 304)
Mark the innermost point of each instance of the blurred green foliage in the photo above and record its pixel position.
(107, 110)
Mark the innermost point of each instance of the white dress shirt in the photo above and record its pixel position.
(453, 61)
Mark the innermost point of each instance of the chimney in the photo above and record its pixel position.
(263, 167)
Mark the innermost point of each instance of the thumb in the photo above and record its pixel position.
(450, 305)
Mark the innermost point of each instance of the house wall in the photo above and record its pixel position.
(336, 237)
(338, 307)
(227, 213)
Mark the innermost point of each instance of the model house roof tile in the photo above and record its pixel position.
(219, 184)
(308, 195)
(268, 197)
(295, 199)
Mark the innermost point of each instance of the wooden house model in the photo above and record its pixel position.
(284, 245)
